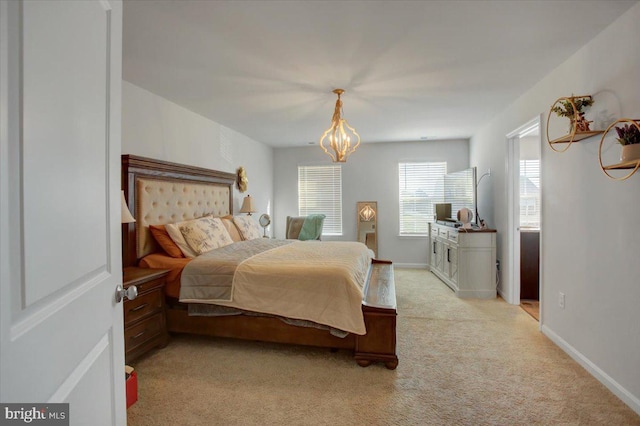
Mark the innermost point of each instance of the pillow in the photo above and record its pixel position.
(249, 228)
(227, 221)
(161, 235)
(205, 234)
(173, 229)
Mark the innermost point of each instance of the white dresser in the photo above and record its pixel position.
(464, 259)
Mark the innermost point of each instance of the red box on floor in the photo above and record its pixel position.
(132, 389)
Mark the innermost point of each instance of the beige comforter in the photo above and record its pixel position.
(320, 281)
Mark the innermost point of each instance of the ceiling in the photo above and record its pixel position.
(411, 70)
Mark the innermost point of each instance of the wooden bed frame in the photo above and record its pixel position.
(378, 306)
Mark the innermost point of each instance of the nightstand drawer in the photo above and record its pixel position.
(145, 325)
(144, 331)
(146, 286)
(142, 305)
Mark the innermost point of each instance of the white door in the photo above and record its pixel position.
(61, 335)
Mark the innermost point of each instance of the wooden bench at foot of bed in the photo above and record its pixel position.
(378, 308)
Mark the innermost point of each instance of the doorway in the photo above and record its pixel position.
(524, 205)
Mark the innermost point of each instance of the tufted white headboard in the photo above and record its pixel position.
(159, 202)
(159, 192)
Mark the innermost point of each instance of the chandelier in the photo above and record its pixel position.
(337, 137)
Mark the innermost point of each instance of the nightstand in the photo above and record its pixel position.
(145, 323)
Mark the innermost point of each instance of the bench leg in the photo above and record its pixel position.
(379, 344)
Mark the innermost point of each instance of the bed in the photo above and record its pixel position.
(181, 192)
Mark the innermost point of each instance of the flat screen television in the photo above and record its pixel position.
(460, 191)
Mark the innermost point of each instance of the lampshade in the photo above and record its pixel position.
(367, 213)
(125, 214)
(247, 205)
(339, 136)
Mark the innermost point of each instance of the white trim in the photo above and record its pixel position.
(615, 387)
(511, 283)
(510, 287)
(411, 265)
(503, 295)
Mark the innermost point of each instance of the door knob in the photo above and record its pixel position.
(130, 293)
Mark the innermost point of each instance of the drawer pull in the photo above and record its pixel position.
(448, 255)
(137, 308)
(434, 246)
(138, 335)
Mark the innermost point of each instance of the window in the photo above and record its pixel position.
(459, 190)
(421, 185)
(530, 193)
(320, 192)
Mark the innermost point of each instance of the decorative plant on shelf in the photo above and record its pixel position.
(629, 138)
(565, 109)
(628, 134)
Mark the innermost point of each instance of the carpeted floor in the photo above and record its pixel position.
(462, 362)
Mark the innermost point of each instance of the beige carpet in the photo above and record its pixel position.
(462, 362)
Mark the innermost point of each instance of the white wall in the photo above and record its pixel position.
(590, 239)
(157, 128)
(370, 174)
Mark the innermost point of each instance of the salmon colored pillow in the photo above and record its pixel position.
(161, 235)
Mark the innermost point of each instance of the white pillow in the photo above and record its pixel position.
(205, 234)
(232, 229)
(173, 229)
(249, 228)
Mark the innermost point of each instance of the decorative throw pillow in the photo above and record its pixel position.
(161, 235)
(249, 228)
(227, 221)
(205, 234)
(173, 229)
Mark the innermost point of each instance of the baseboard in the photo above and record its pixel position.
(410, 265)
(632, 401)
(504, 297)
(476, 294)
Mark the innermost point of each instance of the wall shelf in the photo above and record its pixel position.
(622, 166)
(577, 137)
(579, 128)
(632, 165)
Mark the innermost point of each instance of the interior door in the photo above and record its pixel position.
(61, 334)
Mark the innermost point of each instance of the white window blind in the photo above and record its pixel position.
(459, 190)
(530, 193)
(421, 185)
(320, 192)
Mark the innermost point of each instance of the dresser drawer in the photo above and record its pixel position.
(443, 233)
(453, 236)
(142, 305)
(140, 333)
